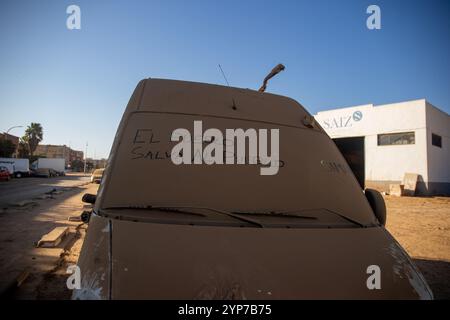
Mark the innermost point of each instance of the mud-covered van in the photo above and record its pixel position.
(214, 192)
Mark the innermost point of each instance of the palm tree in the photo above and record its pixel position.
(23, 150)
(33, 135)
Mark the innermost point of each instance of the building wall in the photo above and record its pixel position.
(384, 164)
(13, 139)
(57, 151)
(438, 122)
(390, 163)
(98, 163)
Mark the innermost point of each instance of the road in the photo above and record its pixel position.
(21, 227)
(18, 190)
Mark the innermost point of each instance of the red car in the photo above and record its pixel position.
(4, 174)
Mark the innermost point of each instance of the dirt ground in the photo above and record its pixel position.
(21, 227)
(422, 226)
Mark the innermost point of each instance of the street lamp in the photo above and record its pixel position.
(7, 131)
(85, 157)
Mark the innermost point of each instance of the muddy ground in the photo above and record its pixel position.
(22, 226)
(422, 226)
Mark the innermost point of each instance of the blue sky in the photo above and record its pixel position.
(76, 83)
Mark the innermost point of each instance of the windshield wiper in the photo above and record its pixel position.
(347, 218)
(335, 213)
(291, 214)
(277, 214)
(151, 208)
(186, 210)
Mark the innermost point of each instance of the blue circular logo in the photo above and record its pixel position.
(357, 115)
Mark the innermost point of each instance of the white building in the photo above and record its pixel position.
(382, 143)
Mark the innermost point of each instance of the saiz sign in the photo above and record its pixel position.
(342, 121)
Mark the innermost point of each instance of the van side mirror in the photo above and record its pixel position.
(89, 198)
(377, 204)
(86, 216)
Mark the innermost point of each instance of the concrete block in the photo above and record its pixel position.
(396, 190)
(74, 218)
(410, 184)
(53, 238)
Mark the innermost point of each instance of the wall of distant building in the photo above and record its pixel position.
(438, 150)
(13, 139)
(387, 163)
(57, 151)
(98, 163)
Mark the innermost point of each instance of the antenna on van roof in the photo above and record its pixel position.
(223, 74)
(272, 73)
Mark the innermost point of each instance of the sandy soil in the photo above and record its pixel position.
(422, 226)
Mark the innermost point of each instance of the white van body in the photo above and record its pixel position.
(8, 163)
(21, 167)
(57, 164)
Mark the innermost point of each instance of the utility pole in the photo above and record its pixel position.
(85, 157)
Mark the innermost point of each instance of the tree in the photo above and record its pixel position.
(7, 148)
(33, 135)
(23, 151)
(77, 165)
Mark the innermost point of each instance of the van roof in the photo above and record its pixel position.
(194, 98)
(313, 174)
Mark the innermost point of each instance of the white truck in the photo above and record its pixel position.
(17, 167)
(57, 164)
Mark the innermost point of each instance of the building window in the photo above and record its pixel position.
(396, 138)
(436, 140)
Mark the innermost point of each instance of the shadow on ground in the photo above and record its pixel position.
(20, 229)
(437, 275)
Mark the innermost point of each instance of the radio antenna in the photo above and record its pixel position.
(223, 74)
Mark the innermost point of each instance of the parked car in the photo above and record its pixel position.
(16, 166)
(161, 229)
(97, 175)
(4, 174)
(54, 173)
(8, 165)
